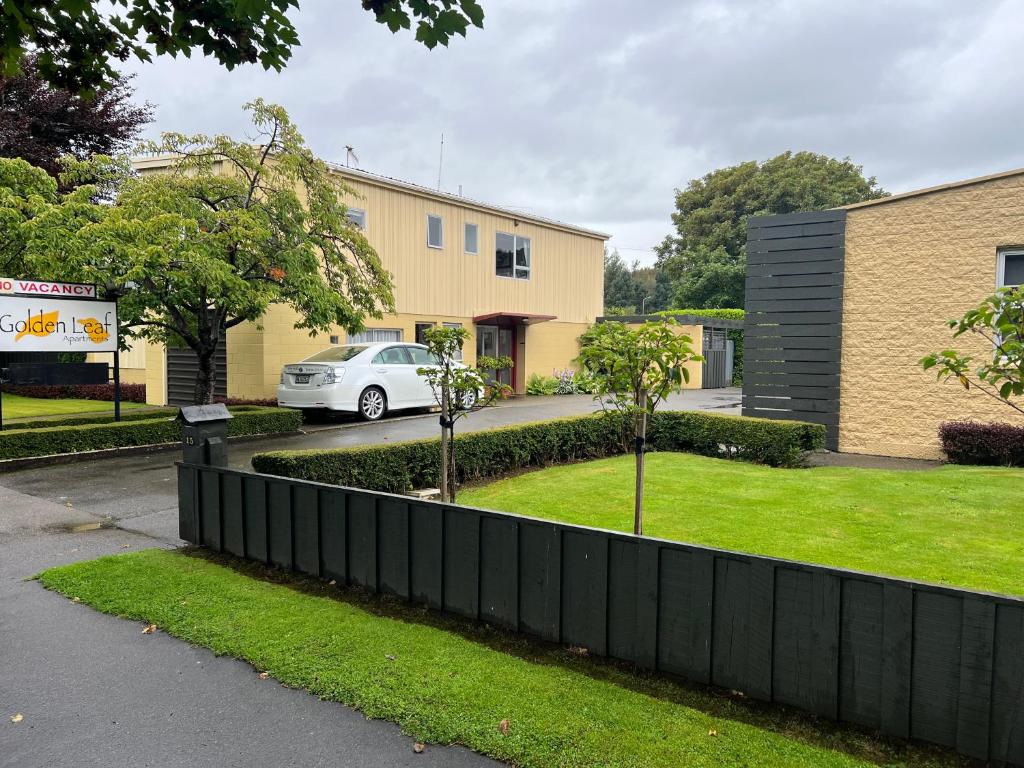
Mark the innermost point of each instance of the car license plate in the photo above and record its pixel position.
(302, 379)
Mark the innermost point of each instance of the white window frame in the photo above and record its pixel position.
(367, 336)
(1001, 264)
(440, 221)
(476, 230)
(362, 217)
(515, 242)
(458, 355)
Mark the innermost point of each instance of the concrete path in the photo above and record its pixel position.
(94, 691)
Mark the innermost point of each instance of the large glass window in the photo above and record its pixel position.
(470, 237)
(1011, 268)
(435, 231)
(512, 256)
(375, 336)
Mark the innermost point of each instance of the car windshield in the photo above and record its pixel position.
(336, 354)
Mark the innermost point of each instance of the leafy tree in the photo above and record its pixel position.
(656, 285)
(25, 193)
(706, 255)
(634, 370)
(999, 320)
(458, 390)
(40, 123)
(230, 229)
(620, 289)
(78, 40)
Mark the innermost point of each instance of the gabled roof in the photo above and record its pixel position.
(417, 189)
(932, 190)
(156, 161)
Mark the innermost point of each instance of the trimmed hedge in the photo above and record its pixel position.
(103, 418)
(401, 467)
(130, 393)
(50, 440)
(725, 314)
(973, 442)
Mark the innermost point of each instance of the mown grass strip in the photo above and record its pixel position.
(454, 682)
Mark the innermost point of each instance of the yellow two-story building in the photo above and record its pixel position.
(523, 285)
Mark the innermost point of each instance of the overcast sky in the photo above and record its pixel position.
(594, 111)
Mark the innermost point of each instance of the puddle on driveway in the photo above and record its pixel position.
(96, 525)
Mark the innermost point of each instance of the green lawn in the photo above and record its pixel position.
(17, 407)
(951, 525)
(450, 682)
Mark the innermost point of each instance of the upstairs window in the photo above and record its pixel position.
(357, 216)
(1011, 268)
(470, 238)
(435, 231)
(512, 256)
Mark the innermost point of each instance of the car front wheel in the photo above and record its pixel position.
(372, 403)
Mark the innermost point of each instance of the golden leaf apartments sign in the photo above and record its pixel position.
(45, 323)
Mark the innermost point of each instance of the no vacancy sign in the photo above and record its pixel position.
(47, 324)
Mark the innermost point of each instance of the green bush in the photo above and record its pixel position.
(541, 385)
(104, 418)
(725, 314)
(400, 467)
(76, 438)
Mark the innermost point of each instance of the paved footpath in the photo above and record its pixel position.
(94, 691)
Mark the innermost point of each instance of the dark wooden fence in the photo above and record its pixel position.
(794, 313)
(913, 660)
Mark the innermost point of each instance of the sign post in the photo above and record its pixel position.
(40, 316)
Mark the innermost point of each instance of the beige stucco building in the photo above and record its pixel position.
(523, 285)
(873, 286)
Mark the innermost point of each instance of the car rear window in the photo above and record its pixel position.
(336, 354)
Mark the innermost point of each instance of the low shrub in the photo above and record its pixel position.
(725, 314)
(100, 418)
(400, 467)
(973, 442)
(130, 393)
(50, 440)
(541, 385)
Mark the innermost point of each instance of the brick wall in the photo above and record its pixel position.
(911, 265)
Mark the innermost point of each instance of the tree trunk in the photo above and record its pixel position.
(641, 439)
(206, 378)
(445, 422)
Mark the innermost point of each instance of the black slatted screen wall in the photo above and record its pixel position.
(793, 324)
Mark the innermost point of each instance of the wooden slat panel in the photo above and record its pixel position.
(792, 379)
(977, 652)
(647, 596)
(789, 219)
(426, 552)
(830, 267)
(770, 354)
(333, 536)
(622, 602)
(540, 562)
(499, 571)
(773, 304)
(232, 516)
(462, 562)
(935, 676)
(796, 230)
(188, 508)
(757, 249)
(280, 525)
(361, 512)
(306, 512)
(824, 405)
(686, 597)
(800, 293)
(1007, 725)
(256, 526)
(730, 636)
(393, 547)
(860, 654)
(209, 510)
(791, 366)
(816, 279)
(585, 591)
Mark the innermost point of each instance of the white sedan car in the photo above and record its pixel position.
(368, 379)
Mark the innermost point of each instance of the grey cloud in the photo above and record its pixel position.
(593, 112)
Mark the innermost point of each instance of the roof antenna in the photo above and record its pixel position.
(351, 156)
(440, 164)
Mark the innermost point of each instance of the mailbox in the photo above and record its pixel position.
(204, 434)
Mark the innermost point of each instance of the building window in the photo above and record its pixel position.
(512, 256)
(421, 332)
(470, 238)
(1010, 268)
(435, 231)
(375, 336)
(458, 355)
(357, 216)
